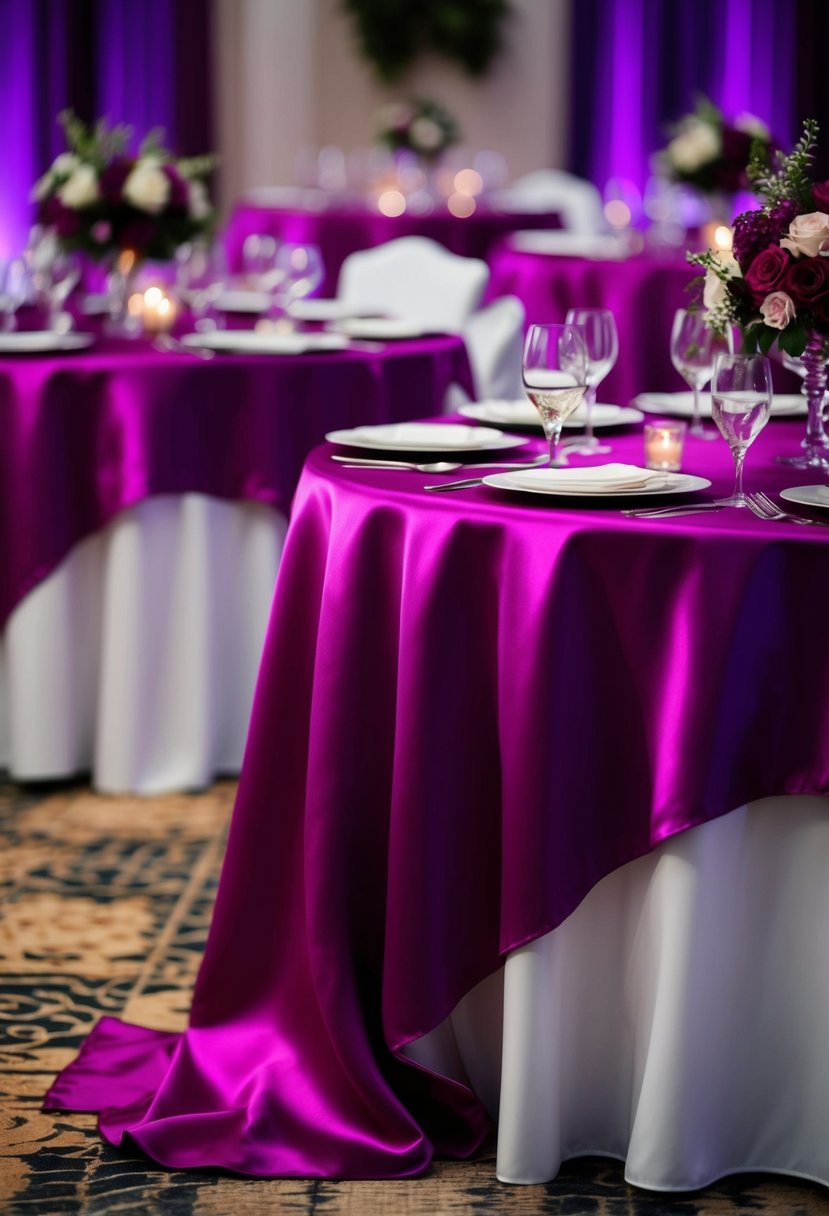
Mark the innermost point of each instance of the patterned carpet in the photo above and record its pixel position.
(105, 908)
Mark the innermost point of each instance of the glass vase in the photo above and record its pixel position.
(815, 444)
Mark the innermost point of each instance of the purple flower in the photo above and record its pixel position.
(139, 234)
(178, 187)
(113, 178)
(753, 231)
(64, 220)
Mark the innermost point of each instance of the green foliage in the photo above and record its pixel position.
(392, 33)
(790, 177)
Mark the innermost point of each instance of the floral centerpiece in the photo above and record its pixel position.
(99, 199)
(709, 153)
(419, 126)
(773, 285)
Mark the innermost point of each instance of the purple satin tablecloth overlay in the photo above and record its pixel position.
(341, 230)
(86, 435)
(642, 292)
(471, 708)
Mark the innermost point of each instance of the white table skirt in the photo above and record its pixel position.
(137, 658)
(677, 1020)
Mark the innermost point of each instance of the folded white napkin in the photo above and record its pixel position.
(600, 479)
(569, 244)
(424, 435)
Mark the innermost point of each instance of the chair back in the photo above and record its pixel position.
(577, 201)
(416, 279)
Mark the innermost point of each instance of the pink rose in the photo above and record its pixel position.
(807, 234)
(777, 310)
(766, 272)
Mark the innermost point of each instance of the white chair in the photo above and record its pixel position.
(494, 338)
(415, 279)
(577, 201)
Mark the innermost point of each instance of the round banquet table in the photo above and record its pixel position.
(642, 291)
(523, 777)
(342, 229)
(143, 502)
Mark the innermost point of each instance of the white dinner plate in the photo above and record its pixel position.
(522, 413)
(681, 405)
(578, 483)
(555, 242)
(42, 341)
(329, 310)
(255, 342)
(381, 329)
(808, 496)
(425, 437)
(242, 299)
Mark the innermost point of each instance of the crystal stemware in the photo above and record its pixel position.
(740, 405)
(15, 290)
(554, 376)
(598, 327)
(694, 347)
(201, 274)
(299, 272)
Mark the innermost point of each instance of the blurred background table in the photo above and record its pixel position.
(340, 229)
(143, 501)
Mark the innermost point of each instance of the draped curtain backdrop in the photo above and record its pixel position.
(145, 63)
(638, 64)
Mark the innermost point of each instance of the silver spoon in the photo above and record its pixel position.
(436, 466)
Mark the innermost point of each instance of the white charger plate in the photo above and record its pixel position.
(256, 342)
(808, 496)
(523, 413)
(330, 310)
(425, 437)
(381, 329)
(674, 483)
(681, 405)
(244, 300)
(42, 341)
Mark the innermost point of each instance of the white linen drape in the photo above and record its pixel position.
(137, 658)
(677, 1020)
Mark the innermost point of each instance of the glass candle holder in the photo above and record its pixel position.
(663, 445)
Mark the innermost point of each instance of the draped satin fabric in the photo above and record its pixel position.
(84, 436)
(471, 708)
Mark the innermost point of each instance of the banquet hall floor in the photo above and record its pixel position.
(105, 908)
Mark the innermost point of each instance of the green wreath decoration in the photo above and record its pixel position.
(392, 33)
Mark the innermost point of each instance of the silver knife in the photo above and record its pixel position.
(456, 485)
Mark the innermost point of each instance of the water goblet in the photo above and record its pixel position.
(258, 257)
(298, 272)
(15, 290)
(598, 327)
(554, 376)
(201, 273)
(740, 405)
(694, 347)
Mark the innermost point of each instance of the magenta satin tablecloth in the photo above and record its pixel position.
(85, 435)
(471, 708)
(341, 230)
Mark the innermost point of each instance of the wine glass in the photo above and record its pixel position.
(598, 327)
(15, 290)
(201, 272)
(694, 347)
(554, 376)
(298, 272)
(740, 405)
(258, 257)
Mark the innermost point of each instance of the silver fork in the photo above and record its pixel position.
(764, 508)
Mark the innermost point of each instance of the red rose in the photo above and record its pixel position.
(766, 272)
(806, 280)
(820, 196)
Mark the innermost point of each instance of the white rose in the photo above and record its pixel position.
(65, 164)
(695, 145)
(147, 187)
(715, 290)
(750, 124)
(777, 310)
(81, 188)
(198, 203)
(42, 188)
(426, 134)
(808, 234)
